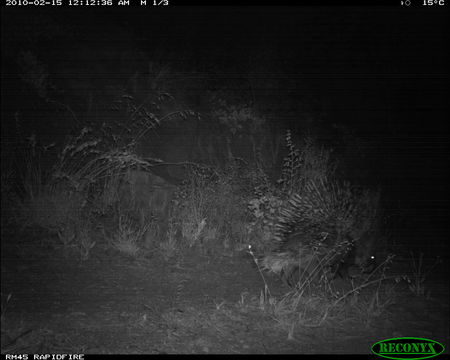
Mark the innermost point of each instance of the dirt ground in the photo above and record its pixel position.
(54, 303)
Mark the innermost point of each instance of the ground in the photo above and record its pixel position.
(54, 303)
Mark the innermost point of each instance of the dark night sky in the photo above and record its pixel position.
(341, 53)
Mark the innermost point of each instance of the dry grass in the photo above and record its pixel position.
(129, 236)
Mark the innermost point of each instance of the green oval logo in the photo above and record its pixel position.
(407, 348)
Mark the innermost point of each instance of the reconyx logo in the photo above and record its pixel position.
(407, 348)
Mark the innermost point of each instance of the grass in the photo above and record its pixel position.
(419, 274)
(204, 220)
(129, 236)
(309, 305)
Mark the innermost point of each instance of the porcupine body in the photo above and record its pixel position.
(318, 235)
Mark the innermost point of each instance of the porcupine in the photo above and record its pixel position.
(320, 234)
